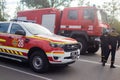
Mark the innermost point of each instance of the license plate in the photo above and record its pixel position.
(74, 55)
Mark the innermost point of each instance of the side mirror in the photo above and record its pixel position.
(20, 32)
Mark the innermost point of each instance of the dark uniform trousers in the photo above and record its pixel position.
(104, 46)
(105, 53)
(113, 52)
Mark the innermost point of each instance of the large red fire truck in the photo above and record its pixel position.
(85, 24)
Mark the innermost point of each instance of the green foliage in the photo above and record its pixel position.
(2, 8)
(45, 3)
(116, 25)
(83, 2)
(2, 18)
(112, 8)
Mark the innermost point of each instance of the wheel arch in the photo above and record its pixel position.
(81, 34)
(36, 49)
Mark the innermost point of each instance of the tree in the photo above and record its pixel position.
(83, 2)
(112, 7)
(2, 8)
(116, 25)
(45, 3)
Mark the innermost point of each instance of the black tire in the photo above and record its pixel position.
(39, 62)
(93, 49)
(83, 45)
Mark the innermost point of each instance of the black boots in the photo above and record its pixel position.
(103, 64)
(112, 65)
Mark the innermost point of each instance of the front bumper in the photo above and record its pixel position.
(62, 57)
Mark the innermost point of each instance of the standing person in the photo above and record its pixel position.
(114, 43)
(104, 46)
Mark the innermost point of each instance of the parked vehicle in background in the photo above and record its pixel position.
(85, 24)
(29, 41)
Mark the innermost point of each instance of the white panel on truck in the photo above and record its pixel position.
(22, 18)
(48, 21)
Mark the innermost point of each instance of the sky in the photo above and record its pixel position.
(11, 5)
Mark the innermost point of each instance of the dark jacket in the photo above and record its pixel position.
(104, 40)
(114, 40)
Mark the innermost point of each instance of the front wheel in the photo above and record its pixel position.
(39, 62)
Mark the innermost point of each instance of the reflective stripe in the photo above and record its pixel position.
(63, 26)
(75, 27)
(71, 26)
(3, 50)
(2, 40)
(21, 53)
(16, 52)
(14, 49)
(7, 51)
(11, 52)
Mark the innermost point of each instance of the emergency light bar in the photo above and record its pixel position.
(16, 20)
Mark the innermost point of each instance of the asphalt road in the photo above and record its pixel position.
(88, 67)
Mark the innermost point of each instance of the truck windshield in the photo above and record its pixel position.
(36, 29)
(102, 16)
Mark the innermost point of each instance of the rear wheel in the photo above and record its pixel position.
(39, 62)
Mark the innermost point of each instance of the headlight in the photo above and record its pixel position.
(56, 45)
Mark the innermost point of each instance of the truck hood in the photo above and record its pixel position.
(57, 39)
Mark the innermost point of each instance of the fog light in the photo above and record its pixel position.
(55, 57)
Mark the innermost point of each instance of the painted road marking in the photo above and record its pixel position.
(95, 62)
(45, 78)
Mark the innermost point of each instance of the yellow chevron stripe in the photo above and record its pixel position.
(20, 53)
(7, 51)
(0, 50)
(11, 51)
(16, 52)
(10, 48)
(3, 50)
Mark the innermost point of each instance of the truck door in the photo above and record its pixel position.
(48, 21)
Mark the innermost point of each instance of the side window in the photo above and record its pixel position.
(89, 14)
(73, 15)
(14, 28)
(4, 27)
